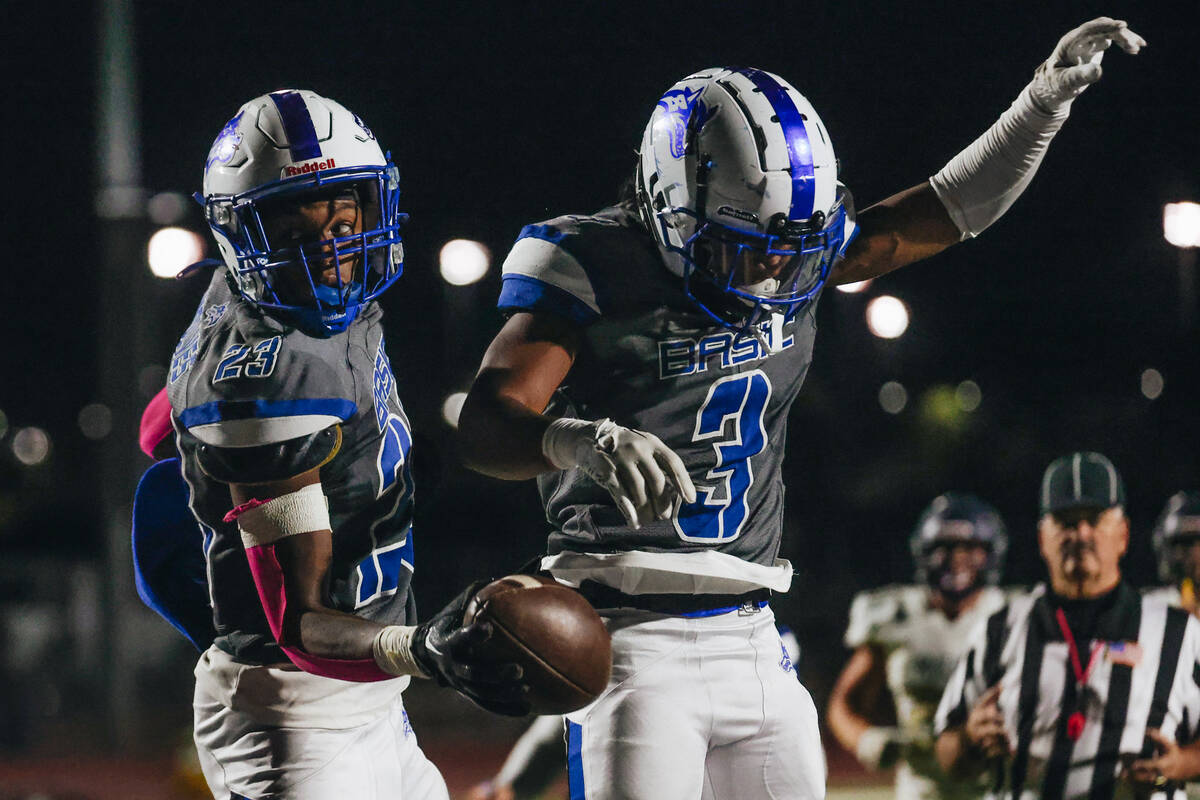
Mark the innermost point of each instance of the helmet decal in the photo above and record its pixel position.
(677, 106)
(297, 125)
(226, 143)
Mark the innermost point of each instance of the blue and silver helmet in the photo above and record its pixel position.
(737, 181)
(280, 151)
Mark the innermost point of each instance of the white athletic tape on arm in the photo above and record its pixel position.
(302, 511)
(980, 183)
(392, 649)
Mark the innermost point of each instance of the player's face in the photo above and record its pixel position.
(956, 565)
(1186, 553)
(1083, 547)
(310, 226)
(741, 263)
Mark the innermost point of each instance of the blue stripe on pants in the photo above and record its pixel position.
(575, 761)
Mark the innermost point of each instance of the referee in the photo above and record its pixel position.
(1080, 689)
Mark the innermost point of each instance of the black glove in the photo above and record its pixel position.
(449, 653)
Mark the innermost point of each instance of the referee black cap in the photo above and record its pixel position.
(1081, 480)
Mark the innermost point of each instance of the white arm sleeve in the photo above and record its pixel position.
(980, 183)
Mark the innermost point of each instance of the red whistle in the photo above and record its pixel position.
(1075, 725)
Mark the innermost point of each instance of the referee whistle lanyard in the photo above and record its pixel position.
(1076, 720)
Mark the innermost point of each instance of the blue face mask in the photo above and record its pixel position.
(324, 310)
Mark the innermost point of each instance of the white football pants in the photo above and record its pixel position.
(706, 707)
(264, 733)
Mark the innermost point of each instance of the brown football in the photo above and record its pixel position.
(552, 632)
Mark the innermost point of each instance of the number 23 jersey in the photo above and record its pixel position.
(650, 360)
(240, 382)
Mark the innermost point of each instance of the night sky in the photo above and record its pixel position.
(501, 114)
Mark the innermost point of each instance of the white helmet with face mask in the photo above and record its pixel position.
(737, 181)
(284, 149)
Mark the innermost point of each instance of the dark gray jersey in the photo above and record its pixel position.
(239, 379)
(650, 360)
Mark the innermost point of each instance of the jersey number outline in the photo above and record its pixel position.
(261, 366)
(720, 511)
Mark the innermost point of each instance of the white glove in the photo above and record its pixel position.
(641, 473)
(1075, 63)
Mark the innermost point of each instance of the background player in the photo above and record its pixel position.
(908, 639)
(1177, 545)
(660, 457)
(296, 456)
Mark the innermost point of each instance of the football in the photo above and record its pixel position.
(552, 632)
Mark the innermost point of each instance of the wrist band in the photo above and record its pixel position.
(392, 649)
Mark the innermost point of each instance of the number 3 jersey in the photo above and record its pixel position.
(650, 360)
(239, 383)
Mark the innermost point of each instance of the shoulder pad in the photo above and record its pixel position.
(270, 462)
(576, 265)
(246, 392)
(873, 612)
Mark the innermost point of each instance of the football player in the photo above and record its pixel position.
(1177, 545)
(645, 372)
(295, 452)
(907, 641)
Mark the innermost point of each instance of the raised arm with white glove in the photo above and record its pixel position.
(982, 182)
(642, 474)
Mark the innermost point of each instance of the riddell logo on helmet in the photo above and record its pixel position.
(304, 169)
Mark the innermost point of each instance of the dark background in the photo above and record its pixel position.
(506, 113)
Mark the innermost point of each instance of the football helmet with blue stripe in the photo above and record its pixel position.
(951, 519)
(737, 181)
(279, 152)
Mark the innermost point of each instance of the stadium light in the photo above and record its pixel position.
(172, 249)
(887, 317)
(1152, 383)
(969, 395)
(452, 407)
(31, 446)
(464, 261)
(854, 288)
(95, 420)
(893, 397)
(1181, 224)
(168, 208)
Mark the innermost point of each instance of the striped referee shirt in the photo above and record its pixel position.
(1146, 675)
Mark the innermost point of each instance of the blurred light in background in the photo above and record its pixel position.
(968, 395)
(452, 407)
(31, 446)
(854, 288)
(1181, 224)
(95, 420)
(464, 261)
(3, 424)
(168, 208)
(172, 249)
(1152, 383)
(887, 317)
(893, 397)
(941, 408)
